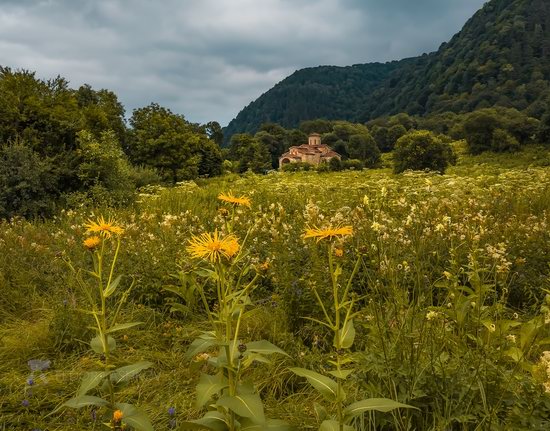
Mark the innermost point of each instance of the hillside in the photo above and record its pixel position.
(329, 92)
(500, 57)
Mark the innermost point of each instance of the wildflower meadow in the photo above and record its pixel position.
(357, 300)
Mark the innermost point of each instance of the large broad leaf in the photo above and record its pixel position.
(246, 405)
(325, 385)
(213, 421)
(342, 374)
(84, 401)
(207, 387)
(347, 335)
(378, 404)
(112, 287)
(134, 417)
(330, 425)
(270, 425)
(264, 347)
(123, 374)
(97, 344)
(122, 326)
(200, 345)
(90, 381)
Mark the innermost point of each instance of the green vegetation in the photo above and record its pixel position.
(448, 299)
(60, 146)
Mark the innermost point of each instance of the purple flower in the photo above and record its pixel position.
(25, 403)
(30, 381)
(172, 411)
(94, 415)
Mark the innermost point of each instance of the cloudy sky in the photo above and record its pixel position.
(207, 59)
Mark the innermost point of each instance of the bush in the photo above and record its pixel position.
(28, 182)
(352, 164)
(421, 150)
(298, 166)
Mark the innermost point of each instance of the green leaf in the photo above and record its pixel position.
(346, 335)
(200, 345)
(250, 357)
(90, 381)
(123, 374)
(515, 353)
(270, 425)
(325, 385)
(207, 387)
(331, 425)
(112, 287)
(213, 421)
(134, 417)
(184, 309)
(85, 400)
(378, 404)
(122, 326)
(342, 374)
(246, 405)
(320, 412)
(97, 344)
(264, 347)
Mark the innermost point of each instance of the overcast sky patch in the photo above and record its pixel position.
(207, 59)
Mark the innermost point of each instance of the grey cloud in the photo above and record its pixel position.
(207, 59)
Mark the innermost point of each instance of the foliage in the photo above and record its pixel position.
(249, 153)
(104, 244)
(177, 149)
(419, 150)
(29, 182)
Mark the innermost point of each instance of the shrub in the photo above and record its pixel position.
(421, 150)
(298, 166)
(28, 182)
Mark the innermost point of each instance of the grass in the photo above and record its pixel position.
(428, 243)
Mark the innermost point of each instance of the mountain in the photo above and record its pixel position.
(329, 92)
(501, 57)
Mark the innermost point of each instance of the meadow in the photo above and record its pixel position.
(444, 278)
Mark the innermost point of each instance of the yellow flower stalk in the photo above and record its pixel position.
(103, 227)
(328, 233)
(213, 246)
(229, 198)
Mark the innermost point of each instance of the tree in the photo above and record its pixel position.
(363, 147)
(28, 182)
(249, 153)
(420, 150)
(167, 142)
(214, 132)
(104, 171)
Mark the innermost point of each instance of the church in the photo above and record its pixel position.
(313, 152)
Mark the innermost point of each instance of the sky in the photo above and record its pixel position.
(208, 59)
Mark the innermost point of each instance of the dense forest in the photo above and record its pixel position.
(499, 58)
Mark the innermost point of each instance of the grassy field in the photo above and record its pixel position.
(449, 278)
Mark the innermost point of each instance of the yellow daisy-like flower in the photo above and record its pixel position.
(92, 242)
(117, 416)
(338, 252)
(328, 233)
(229, 198)
(104, 227)
(213, 246)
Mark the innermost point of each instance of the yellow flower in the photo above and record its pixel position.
(229, 198)
(338, 252)
(330, 232)
(117, 416)
(92, 242)
(104, 227)
(212, 246)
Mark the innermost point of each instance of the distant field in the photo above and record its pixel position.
(451, 288)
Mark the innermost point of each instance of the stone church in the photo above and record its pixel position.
(313, 152)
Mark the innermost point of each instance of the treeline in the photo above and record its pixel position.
(360, 145)
(60, 146)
